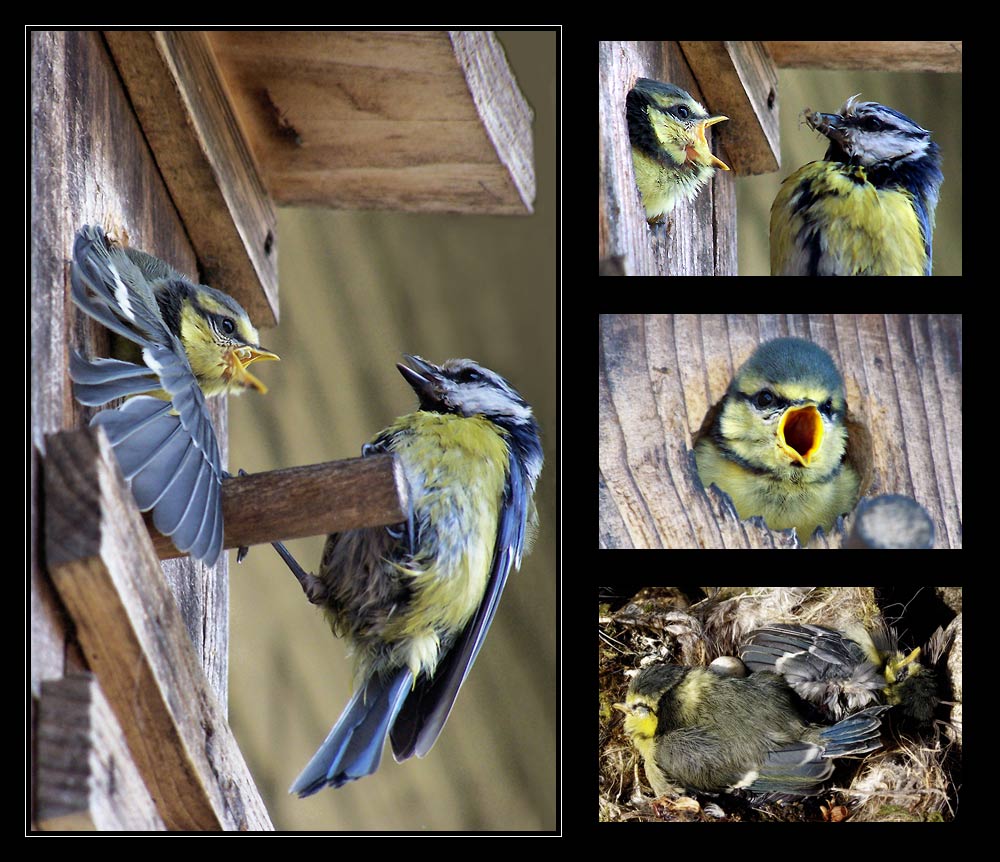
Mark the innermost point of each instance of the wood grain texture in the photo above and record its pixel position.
(885, 56)
(181, 99)
(86, 779)
(700, 236)
(660, 374)
(382, 120)
(137, 644)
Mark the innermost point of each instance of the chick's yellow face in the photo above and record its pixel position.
(778, 443)
(898, 667)
(220, 342)
(790, 428)
(679, 126)
(640, 717)
(670, 153)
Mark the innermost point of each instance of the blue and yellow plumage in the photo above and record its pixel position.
(177, 343)
(415, 600)
(868, 207)
(778, 442)
(670, 154)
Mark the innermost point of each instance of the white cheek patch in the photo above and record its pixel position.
(491, 401)
(885, 146)
(121, 295)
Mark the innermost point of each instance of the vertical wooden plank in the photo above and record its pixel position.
(86, 778)
(130, 628)
(700, 236)
(91, 165)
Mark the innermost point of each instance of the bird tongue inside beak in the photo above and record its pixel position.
(800, 433)
(237, 361)
(698, 151)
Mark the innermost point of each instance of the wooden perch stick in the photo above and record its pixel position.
(305, 501)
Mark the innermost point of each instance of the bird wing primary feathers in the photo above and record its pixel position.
(167, 449)
(823, 666)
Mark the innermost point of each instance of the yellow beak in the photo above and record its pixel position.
(698, 150)
(237, 361)
(800, 433)
(892, 671)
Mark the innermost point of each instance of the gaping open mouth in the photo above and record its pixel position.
(237, 361)
(698, 151)
(800, 434)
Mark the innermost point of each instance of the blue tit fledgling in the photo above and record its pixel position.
(777, 444)
(670, 155)
(868, 207)
(710, 732)
(190, 341)
(842, 672)
(415, 601)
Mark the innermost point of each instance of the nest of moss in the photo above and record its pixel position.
(914, 777)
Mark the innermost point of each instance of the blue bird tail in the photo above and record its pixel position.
(354, 747)
(802, 768)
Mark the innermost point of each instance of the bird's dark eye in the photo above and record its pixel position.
(826, 408)
(764, 398)
(469, 375)
(228, 325)
(871, 124)
(682, 111)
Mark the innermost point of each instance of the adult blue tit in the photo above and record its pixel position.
(415, 600)
(777, 443)
(868, 207)
(189, 341)
(711, 732)
(842, 672)
(670, 154)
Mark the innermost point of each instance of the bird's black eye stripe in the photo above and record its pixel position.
(469, 375)
(765, 399)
